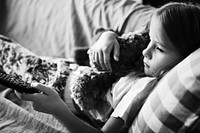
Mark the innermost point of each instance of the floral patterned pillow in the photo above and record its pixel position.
(22, 63)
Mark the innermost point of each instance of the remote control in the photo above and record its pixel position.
(16, 83)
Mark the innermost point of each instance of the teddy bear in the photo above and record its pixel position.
(88, 85)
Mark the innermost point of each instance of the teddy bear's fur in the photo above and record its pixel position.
(87, 85)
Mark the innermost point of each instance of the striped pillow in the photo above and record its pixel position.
(174, 104)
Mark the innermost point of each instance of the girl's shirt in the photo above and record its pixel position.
(121, 97)
(118, 100)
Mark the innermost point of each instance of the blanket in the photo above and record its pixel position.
(14, 119)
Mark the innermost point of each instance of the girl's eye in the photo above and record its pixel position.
(160, 50)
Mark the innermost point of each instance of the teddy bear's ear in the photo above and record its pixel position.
(145, 34)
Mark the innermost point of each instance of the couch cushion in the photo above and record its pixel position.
(174, 104)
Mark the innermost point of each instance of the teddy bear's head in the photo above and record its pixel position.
(88, 85)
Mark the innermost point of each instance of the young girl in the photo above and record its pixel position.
(174, 34)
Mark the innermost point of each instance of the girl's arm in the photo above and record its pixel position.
(100, 52)
(50, 102)
(75, 125)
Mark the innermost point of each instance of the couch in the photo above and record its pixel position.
(59, 28)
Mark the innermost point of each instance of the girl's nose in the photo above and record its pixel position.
(147, 52)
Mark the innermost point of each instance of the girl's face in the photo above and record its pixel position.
(160, 53)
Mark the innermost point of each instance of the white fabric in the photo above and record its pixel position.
(123, 101)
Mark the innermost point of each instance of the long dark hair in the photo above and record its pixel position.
(181, 22)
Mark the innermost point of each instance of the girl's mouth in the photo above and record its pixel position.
(145, 64)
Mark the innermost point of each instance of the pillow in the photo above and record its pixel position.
(22, 63)
(174, 104)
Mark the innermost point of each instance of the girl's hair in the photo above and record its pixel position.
(181, 22)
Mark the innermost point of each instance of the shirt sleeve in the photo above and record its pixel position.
(123, 108)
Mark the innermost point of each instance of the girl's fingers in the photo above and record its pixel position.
(96, 58)
(42, 88)
(102, 61)
(107, 61)
(18, 94)
(99, 58)
(93, 57)
(29, 97)
(90, 58)
(116, 52)
(89, 51)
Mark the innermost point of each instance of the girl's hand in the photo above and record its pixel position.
(100, 52)
(48, 101)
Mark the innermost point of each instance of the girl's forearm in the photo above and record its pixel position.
(73, 123)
